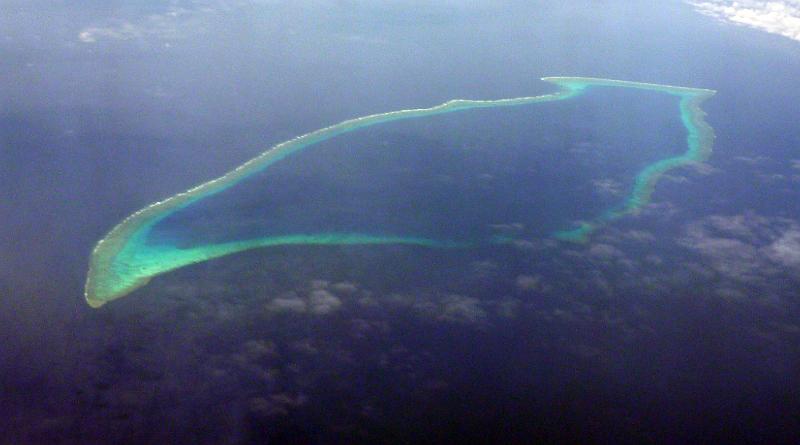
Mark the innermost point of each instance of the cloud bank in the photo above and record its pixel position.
(776, 17)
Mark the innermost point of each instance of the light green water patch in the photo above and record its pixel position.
(123, 260)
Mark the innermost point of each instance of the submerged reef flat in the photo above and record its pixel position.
(127, 258)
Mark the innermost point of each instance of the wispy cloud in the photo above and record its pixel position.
(777, 17)
(179, 19)
(184, 18)
(170, 24)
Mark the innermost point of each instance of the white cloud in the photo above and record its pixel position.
(786, 249)
(124, 31)
(287, 304)
(462, 309)
(323, 302)
(318, 301)
(183, 18)
(747, 247)
(777, 17)
(752, 160)
(728, 256)
(168, 25)
(608, 186)
(528, 282)
(741, 226)
(345, 288)
(605, 251)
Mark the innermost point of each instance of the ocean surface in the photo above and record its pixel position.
(677, 324)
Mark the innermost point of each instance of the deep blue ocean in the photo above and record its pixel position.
(679, 324)
(460, 177)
